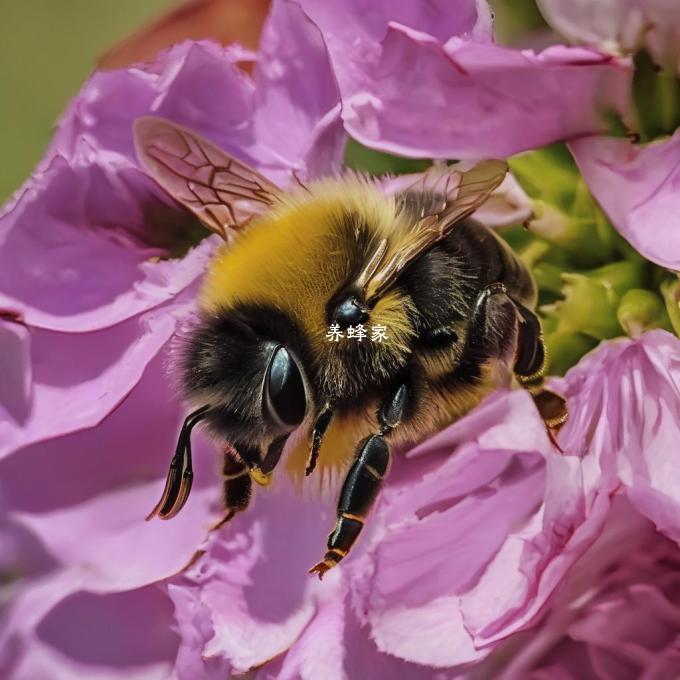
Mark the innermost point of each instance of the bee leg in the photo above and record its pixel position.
(487, 338)
(493, 319)
(320, 427)
(180, 475)
(530, 359)
(530, 354)
(552, 407)
(362, 483)
(237, 487)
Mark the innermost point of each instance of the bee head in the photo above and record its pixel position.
(253, 383)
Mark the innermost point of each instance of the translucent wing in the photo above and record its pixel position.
(448, 197)
(220, 190)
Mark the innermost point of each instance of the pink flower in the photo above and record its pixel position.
(634, 183)
(397, 599)
(638, 187)
(91, 292)
(419, 80)
(490, 550)
(416, 85)
(621, 26)
(627, 426)
(618, 610)
(465, 551)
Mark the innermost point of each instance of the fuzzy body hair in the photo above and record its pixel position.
(277, 278)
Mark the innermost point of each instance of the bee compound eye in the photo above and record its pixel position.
(284, 389)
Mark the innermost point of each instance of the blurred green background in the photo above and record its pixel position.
(47, 49)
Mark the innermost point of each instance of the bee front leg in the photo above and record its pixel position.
(362, 483)
(237, 487)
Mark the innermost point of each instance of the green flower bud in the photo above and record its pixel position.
(548, 277)
(641, 310)
(564, 212)
(556, 226)
(548, 175)
(671, 294)
(533, 252)
(589, 307)
(656, 98)
(602, 238)
(621, 276)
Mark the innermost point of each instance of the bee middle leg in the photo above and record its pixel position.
(362, 483)
(490, 316)
(237, 487)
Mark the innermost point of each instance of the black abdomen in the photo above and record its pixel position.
(480, 248)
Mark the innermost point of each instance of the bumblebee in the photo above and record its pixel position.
(260, 368)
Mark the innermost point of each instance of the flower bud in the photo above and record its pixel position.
(621, 276)
(641, 310)
(656, 98)
(564, 212)
(548, 277)
(671, 294)
(589, 307)
(556, 226)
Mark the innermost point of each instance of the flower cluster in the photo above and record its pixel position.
(492, 552)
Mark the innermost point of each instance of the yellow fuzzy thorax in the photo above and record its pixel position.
(294, 258)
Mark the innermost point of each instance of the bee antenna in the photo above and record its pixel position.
(320, 427)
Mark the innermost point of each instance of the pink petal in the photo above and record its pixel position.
(194, 626)
(15, 370)
(91, 524)
(77, 294)
(117, 636)
(489, 101)
(194, 84)
(107, 487)
(252, 590)
(123, 632)
(113, 523)
(361, 654)
(413, 83)
(638, 188)
(365, 23)
(589, 627)
(77, 379)
(297, 118)
(619, 25)
(642, 401)
(507, 205)
(320, 651)
(443, 528)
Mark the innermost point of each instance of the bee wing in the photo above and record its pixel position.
(461, 192)
(220, 190)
